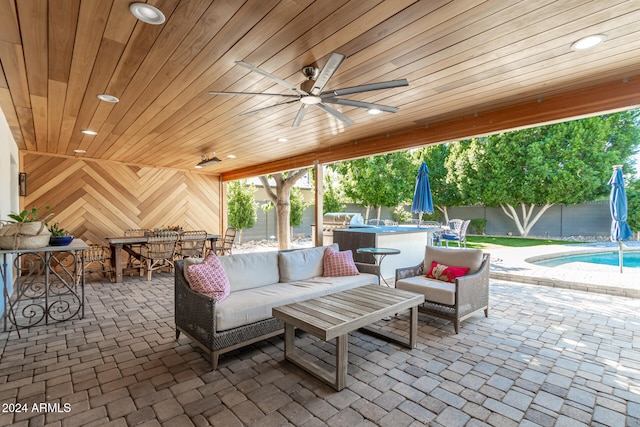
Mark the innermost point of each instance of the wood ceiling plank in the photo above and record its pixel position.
(182, 89)
(57, 92)
(63, 21)
(12, 59)
(9, 27)
(107, 59)
(9, 111)
(121, 22)
(92, 20)
(40, 121)
(34, 44)
(172, 36)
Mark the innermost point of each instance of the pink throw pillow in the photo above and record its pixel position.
(209, 278)
(446, 273)
(338, 264)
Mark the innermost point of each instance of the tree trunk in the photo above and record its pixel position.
(526, 223)
(282, 203)
(240, 237)
(379, 212)
(445, 212)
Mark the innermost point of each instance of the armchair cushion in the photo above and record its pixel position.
(209, 278)
(433, 290)
(445, 272)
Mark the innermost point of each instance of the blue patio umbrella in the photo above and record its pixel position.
(620, 230)
(422, 201)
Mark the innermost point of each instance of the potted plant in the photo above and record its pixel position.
(59, 236)
(25, 230)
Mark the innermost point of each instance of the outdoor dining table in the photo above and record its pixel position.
(120, 243)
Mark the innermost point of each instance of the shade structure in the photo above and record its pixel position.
(620, 230)
(422, 200)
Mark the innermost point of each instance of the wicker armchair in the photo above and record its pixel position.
(191, 244)
(455, 301)
(159, 251)
(456, 235)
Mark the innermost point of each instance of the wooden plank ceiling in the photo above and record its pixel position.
(461, 58)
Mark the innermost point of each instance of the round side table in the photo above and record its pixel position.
(379, 254)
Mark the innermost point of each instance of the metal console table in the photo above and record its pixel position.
(48, 284)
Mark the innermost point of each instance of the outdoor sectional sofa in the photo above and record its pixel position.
(259, 281)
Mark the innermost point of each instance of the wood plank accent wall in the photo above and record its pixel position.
(96, 199)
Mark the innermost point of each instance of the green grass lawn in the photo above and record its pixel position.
(487, 242)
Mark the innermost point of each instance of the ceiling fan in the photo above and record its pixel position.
(310, 93)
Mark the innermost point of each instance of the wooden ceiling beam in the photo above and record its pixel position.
(613, 96)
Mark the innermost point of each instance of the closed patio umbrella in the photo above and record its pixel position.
(422, 200)
(620, 230)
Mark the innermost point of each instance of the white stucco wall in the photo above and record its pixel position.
(9, 168)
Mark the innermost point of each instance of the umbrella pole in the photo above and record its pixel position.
(620, 254)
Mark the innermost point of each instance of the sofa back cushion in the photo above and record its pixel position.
(301, 264)
(471, 258)
(251, 270)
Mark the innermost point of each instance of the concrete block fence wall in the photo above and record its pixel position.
(585, 219)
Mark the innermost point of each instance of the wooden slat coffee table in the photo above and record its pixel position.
(335, 315)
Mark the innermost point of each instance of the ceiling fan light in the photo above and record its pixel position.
(147, 13)
(374, 111)
(311, 100)
(588, 42)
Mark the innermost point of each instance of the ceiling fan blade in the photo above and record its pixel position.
(259, 110)
(365, 88)
(360, 104)
(301, 112)
(213, 92)
(327, 72)
(271, 76)
(337, 114)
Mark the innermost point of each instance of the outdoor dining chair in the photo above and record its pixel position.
(97, 259)
(191, 244)
(159, 251)
(227, 242)
(456, 235)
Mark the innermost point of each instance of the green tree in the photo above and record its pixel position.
(241, 206)
(332, 199)
(633, 202)
(444, 194)
(527, 171)
(384, 180)
(298, 205)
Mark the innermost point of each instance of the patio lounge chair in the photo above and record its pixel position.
(456, 300)
(456, 235)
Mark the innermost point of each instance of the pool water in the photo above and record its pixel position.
(630, 259)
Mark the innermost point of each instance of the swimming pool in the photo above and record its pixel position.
(630, 259)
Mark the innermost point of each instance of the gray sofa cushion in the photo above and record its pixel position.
(302, 264)
(252, 305)
(251, 270)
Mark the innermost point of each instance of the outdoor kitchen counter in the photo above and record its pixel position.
(409, 240)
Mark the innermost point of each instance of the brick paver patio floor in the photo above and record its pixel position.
(545, 356)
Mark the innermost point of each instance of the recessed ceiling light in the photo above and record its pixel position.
(231, 156)
(89, 132)
(588, 42)
(107, 98)
(282, 139)
(147, 13)
(79, 151)
(373, 111)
